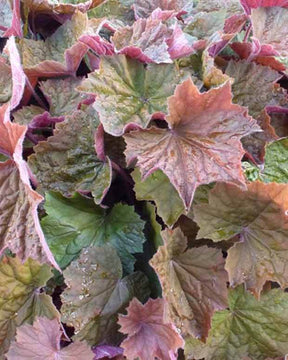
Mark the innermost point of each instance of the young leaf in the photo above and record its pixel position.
(42, 341)
(249, 328)
(128, 93)
(193, 282)
(56, 161)
(202, 143)
(77, 222)
(20, 300)
(145, 40)
(148, 336)
(96, 293)
(258, 217)
(155, 188)
(60, 54)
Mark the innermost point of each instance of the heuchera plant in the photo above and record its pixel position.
(143, 179)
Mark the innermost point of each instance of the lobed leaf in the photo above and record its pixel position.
(198, 147)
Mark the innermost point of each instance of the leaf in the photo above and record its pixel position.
(155, 188)
(275, 167)
(145, 40)
(253, 85)
(5, 81)
(77, 222)
(20, 300)
(205, 24)
(18, 76)
(193, 282)
(55, 7)
(61, 95)
(151, 41)
(144, 8)
(106, 351)
(60, 54)
(254, 4)
(42, 340)
(148, 335)
(127, 93)
(202, 143)
(67, 161)
(248, 328)
(95, 292)
(119, 11)
(19, 224)
(270, 27)
(258, 217)
(255, 144)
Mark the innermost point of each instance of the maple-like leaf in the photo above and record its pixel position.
(148, 336)
(275, 166)
(60, 54)
(202, 143)
(248, 328)
(95, 292)
(270, 27)
(155, 188)
(193, 282)
(253, 85)
(150, 40)
(56, 161)
(127, 92)
(42, 341)
(20, 299)
(77, 222)
(258, 217)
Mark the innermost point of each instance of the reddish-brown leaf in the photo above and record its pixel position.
(193, 283)
(202, 143)
(148, 336)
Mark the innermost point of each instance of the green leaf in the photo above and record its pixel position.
(77, 222)
(61, 95)
(249, 328)
(67, 161)
(95, 292)
(5, 80)
(119, 11)
(155, 188)
(59, 54)
(128, 92)
(276, 165)
(20, 299)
